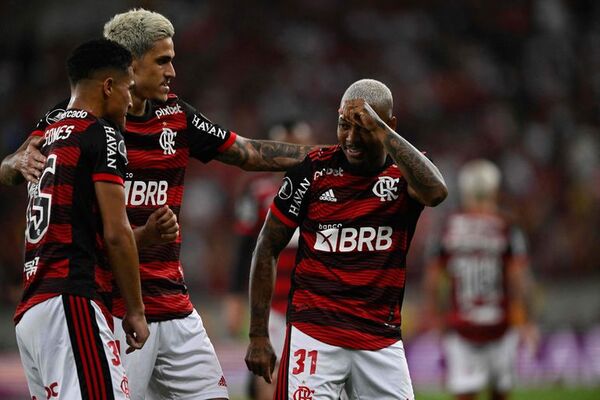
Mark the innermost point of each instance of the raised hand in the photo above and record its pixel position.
(359, 112)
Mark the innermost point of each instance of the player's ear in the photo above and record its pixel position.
(393, 123)
(107, 86)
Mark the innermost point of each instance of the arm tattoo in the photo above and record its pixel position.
(415, 161)
(264, 155)
(420, 173)
(272, 239)
(237, 154)
(9, 172)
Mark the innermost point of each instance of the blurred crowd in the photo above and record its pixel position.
(517, 82)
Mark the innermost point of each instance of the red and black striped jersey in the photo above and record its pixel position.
(160, 144)
(355, 231)
(474, 250)
(64, 251)
(251, 211)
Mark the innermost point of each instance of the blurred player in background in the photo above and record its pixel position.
(162, 132)
(483, 255)
(76, 227)
(357, 205)
(251, 210)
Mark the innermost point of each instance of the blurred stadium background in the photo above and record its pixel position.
(517, 82)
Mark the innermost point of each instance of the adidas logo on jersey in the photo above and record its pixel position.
(222, 381)
(328, 196)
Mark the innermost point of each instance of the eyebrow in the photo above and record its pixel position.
(164, 59)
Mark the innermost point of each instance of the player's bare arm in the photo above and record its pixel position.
(274, 236)
(161, 227)
(425, 181)
(27, 163)
(264, 155)
(520, 286)
(123, 259)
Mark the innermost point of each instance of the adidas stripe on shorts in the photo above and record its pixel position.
(69, 352)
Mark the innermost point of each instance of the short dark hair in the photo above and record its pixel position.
(96, 55)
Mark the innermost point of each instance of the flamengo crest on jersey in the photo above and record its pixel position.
(355, 231)
(386, 188)
(167, 141)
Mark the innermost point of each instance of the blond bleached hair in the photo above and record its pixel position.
(377, 94)
(138, 29)
(479, 180)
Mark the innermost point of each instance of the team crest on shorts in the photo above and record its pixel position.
(125, 386)
(303, 393)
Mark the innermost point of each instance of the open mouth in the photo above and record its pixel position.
(354, 152)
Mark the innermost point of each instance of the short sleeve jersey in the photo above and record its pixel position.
(475, 249)
(160, 144)
(355, 232)
(64, 250)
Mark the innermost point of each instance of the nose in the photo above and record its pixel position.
(353, 134)
(170, 71)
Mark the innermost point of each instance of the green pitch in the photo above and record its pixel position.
(521, 394)
(531, 394)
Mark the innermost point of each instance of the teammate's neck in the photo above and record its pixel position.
(138, 107)
(84, 99)
(481, 206)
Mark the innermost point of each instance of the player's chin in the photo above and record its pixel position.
(161, 94)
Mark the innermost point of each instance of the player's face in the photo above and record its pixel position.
(119, 101)
(361, 147)
(154, 71)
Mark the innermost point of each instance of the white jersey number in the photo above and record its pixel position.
(38, 208)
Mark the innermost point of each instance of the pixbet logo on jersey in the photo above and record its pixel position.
(335, 239)
(168, 110)
(139, 193)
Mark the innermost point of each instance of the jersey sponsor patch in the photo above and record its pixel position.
(328, 196)
(344, 240)
(207, 127)
(112, 147)
(286, 190)
(168, 110)
(146, 193)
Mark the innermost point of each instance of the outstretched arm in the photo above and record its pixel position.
(520, 286)
(425, 181)
(26, 163)
(274, 236)
(264, 155)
